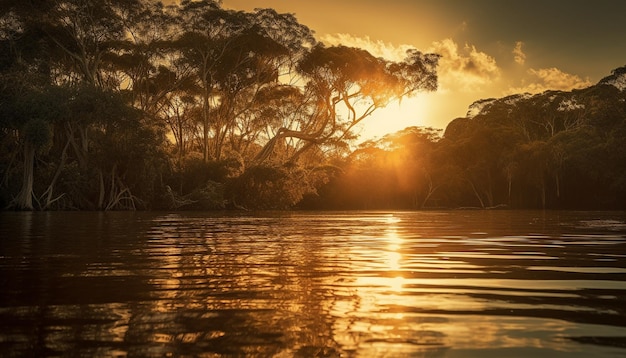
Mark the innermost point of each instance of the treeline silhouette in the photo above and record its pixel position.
(130, 104)
(558, 150)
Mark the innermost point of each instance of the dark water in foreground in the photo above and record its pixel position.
(366, 284)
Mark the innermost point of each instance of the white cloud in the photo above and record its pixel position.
(375, 47)
(550, 79)
(518, 53)
(466, 69)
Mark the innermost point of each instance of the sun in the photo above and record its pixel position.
(412, 111)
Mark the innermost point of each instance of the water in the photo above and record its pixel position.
(351, 284)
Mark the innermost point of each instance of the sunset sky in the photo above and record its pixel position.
(490, 48)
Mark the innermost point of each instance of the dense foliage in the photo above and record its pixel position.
(130, 104)
(551, 150)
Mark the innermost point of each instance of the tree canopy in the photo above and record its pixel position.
(550, 150)
(132, 104)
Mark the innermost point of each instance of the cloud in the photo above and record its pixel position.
(518, 53)
(550, 79)
(467, 69)
(375, 47)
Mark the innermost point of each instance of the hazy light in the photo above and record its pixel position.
(413, 111)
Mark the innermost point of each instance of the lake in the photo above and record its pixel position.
(313, 284)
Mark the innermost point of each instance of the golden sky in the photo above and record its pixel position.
(490, 48)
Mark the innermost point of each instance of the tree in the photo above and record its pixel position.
(29, 115)
(343, 86)
(207, 31)
(145, 61)
(87, 35)
(233, 55)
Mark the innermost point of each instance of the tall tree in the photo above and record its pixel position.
(344, 85)
(206, 36)
(31, 116)
(233, 55)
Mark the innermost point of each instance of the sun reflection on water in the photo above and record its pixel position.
(364, 284)
(394, 256)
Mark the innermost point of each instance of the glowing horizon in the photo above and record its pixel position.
(488, 50)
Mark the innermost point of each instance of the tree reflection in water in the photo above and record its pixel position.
(425, 284)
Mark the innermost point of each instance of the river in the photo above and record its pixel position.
(313, 284)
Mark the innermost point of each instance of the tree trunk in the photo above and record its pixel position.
(543, 194)
(431, 190)
(489, 190)
(558, 185)
(24, 199)
(510, 182)
(102, 190)
(205, 125)
(49, 192)
(480, 199)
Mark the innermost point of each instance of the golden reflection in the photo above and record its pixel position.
(394, 255)
(393, 260)
(375, 290)
(391, 219)
(396, 283)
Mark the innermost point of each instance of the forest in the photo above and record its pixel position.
(134, 105)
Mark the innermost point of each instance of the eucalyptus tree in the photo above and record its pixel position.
(263, 61)
(146, 61)
(180, 113)
(206, 33)
(421, 173)
(331, 91)
(28, 104)
(233, 55)
(28, 116)
(404, 170)
(82, 35)
(77, 50)
(343, 86)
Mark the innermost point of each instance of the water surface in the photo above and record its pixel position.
(310, 284)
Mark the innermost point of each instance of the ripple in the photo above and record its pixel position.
(306, 284)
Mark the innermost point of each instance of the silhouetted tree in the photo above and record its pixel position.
(337, 78)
